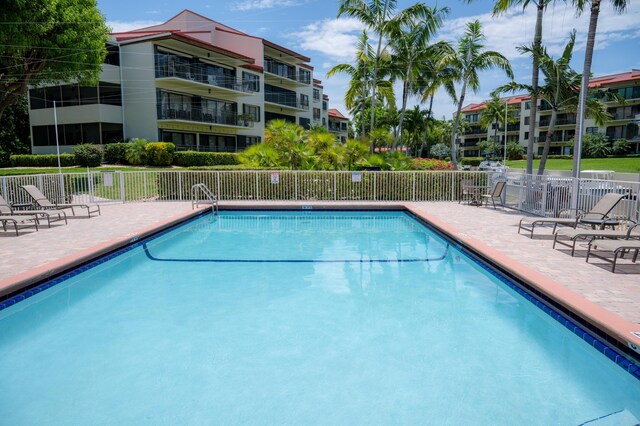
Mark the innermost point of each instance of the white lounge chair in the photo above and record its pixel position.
(43, 202)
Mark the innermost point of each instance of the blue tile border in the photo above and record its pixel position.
(622, 356)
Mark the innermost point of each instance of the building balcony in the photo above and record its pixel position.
(279, 72)
(559, 122)
(197, 83)
(475, 131)
(196, 115)
(287, 101)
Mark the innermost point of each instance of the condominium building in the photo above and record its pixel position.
(623, 125)
(192, 81)
(338, 125)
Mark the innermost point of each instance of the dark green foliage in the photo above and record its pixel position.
(560, 157)
(159, 153)
(88, 155)
(43, 160)
(471, 161)
(595, 145)
(194, 158)
(135, 152)
(620, 147)
(14, 131)
(115, 153)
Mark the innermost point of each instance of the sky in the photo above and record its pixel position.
(311, 27)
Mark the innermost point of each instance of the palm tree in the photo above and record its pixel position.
(560, 90)
(468, 60)
(495, 112)
(502, 6)
(619, 6)
(379, 16)
(410, 45)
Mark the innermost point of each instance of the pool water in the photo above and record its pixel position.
(297, 318)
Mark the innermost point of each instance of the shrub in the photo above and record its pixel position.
(515, 151)
(115, 153)
(194, 158)
(135, 152)
(159, 153)
(431, 164)
(471, 161)
(620, 147)
(42, 160)
(595, 146)
(88, 155)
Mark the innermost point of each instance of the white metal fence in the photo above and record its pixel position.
(541, 195)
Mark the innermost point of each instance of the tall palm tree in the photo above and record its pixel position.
(501, 6)
(620, 6)
(380, 16)
(561, 91)
(469, 59)
(410, 45)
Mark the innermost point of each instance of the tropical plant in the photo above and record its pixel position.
(620, 147)
(560, 91)
(380, 138)
(135, 152)
(469, 59)
(515, 151)
(495, 113)
(380, 17)
(490, 147)
(596, 146)
(260, 155)
(353, 153)
(440, 150)
(620, 6)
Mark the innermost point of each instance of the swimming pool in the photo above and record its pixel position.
(298, 317)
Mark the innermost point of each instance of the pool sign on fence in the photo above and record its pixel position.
(356, 177)
(275, 177)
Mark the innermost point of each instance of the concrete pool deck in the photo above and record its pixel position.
(613, 298)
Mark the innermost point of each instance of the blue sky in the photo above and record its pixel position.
(310, 27)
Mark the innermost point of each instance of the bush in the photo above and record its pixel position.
(194, 158)
(42, 160)
(620, 147)
(115, 153)
(515, 151)
(431, 164)
(135, 152)
(159, 153)
(88, 155)
(471, 161)
(595, 145)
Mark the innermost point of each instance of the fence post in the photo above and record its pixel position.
(257, 188)
(374, 186)
(218, 185)
(5, 190)
(122, 191)
(575, 193)
(144, 184)
(180, 185)
(90, 183)
(453, 185)
(295, 185)
(414, 186)
(335, 194)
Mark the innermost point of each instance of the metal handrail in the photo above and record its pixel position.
(195, 199)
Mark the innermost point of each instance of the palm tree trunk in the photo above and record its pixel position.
(586, 71)
(405, 95)
(456, 122)
(426, 127)
(535, 76)
(495, 139)
(547, 142)
(364, 108)
(375, 70)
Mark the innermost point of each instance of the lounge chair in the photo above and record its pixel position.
(597, 215)
(582, 234)
(618, 246)
(496, 193)
(43, 202)
(6, 219)
(50, 215)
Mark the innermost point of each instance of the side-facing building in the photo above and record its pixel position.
(623, 125)
(192, 81)
(338, 125)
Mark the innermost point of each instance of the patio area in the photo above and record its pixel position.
(618, 293)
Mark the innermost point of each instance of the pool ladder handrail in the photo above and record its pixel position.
(210, 197)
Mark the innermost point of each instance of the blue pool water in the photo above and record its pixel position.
(297, 318)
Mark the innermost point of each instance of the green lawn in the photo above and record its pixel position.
(621, 165)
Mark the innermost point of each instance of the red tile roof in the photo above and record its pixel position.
(334, 113)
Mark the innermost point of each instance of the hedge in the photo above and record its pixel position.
(88, 155)
(115, 153)
(159, 153)
(471, 161)
(42, 160)
(195, 158)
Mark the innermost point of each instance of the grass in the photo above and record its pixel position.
(620, 165)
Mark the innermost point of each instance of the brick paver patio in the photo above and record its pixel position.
(618, 293)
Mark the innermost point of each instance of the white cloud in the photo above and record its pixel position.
(122, 26)
(263, 4)
(336, 38)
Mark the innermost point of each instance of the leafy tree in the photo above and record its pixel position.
(468, 60)
(14, 131)
(440, 150)
(354, 152)
(489, 146)
(495, 112)
(45, 41)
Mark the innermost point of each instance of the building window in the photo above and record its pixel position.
(252, 110)
(219, 143)
(527, 105)
(304, 101)
(111, 132)
(53, 94)
(250, 82)
(279, 95)
(324, 105)
(305, 76)
(182, 141)
(113, 55)
(526, 135)
(343, 139)
(316, 94)
(74, 134)
(37, 99)
(526, 121)
(88, 95)
(316, 114)
(70, 95)
(473, 118)
(324, 122)
(110, 94)
(304, 122)
(591, 130)
(343, 126)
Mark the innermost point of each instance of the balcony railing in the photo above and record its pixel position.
(290, 101)
(559, 122)
(200, 116)
(475, 131)
(192, 73)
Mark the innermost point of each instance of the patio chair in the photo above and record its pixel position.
(496, 193)
(574, 235)
(43, 202)
(597, 215)
(6, 219)
(619, 247)
(466, 185)
(51, 216)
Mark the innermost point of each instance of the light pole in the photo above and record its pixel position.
(506, 113)
(55, 125)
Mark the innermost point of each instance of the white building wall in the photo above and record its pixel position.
(139, 91)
